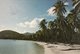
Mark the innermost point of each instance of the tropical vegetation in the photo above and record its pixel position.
(65, 29)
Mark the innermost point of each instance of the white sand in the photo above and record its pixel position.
(60, 48)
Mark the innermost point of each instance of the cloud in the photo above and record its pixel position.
(30, 24)
(13, 28)
(27, 26)
(66, 3)
(7, 28)
(51, 11)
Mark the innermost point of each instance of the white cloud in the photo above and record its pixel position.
(13, 28)
(51, 11)
(7, 28)
(27, 26)
(66, 3)
(30, 24)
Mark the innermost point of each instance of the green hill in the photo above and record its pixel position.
(8, 34)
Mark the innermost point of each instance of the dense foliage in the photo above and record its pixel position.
(64, 29)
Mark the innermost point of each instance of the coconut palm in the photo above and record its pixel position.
(42, 24)
(60, 22)
(59, 8)
(75, 1)
(51, 25)
(72, 17)
(76, 11)
(76, 4)
(43, 29)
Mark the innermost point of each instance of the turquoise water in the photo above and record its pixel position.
(20, 47)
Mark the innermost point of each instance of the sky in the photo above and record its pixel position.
(24, 15)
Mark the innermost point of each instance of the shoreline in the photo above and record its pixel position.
(46, 49)
(59, 48)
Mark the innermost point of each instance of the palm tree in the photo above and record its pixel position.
(60, 22)
(59, 8)
(70, 26)
(76, 4)
(72, 17)
(42, 24)
(39, 35)
(52, 31)
(75, 1)
(76, 11)
(51, 25)
(43, 29)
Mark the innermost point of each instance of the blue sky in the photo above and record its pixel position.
(23, 15)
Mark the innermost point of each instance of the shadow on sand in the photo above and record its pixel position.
(70, 49)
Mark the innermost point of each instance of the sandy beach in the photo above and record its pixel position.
(60, 48)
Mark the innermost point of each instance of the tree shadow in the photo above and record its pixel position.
(51, 46)
(70, 49)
